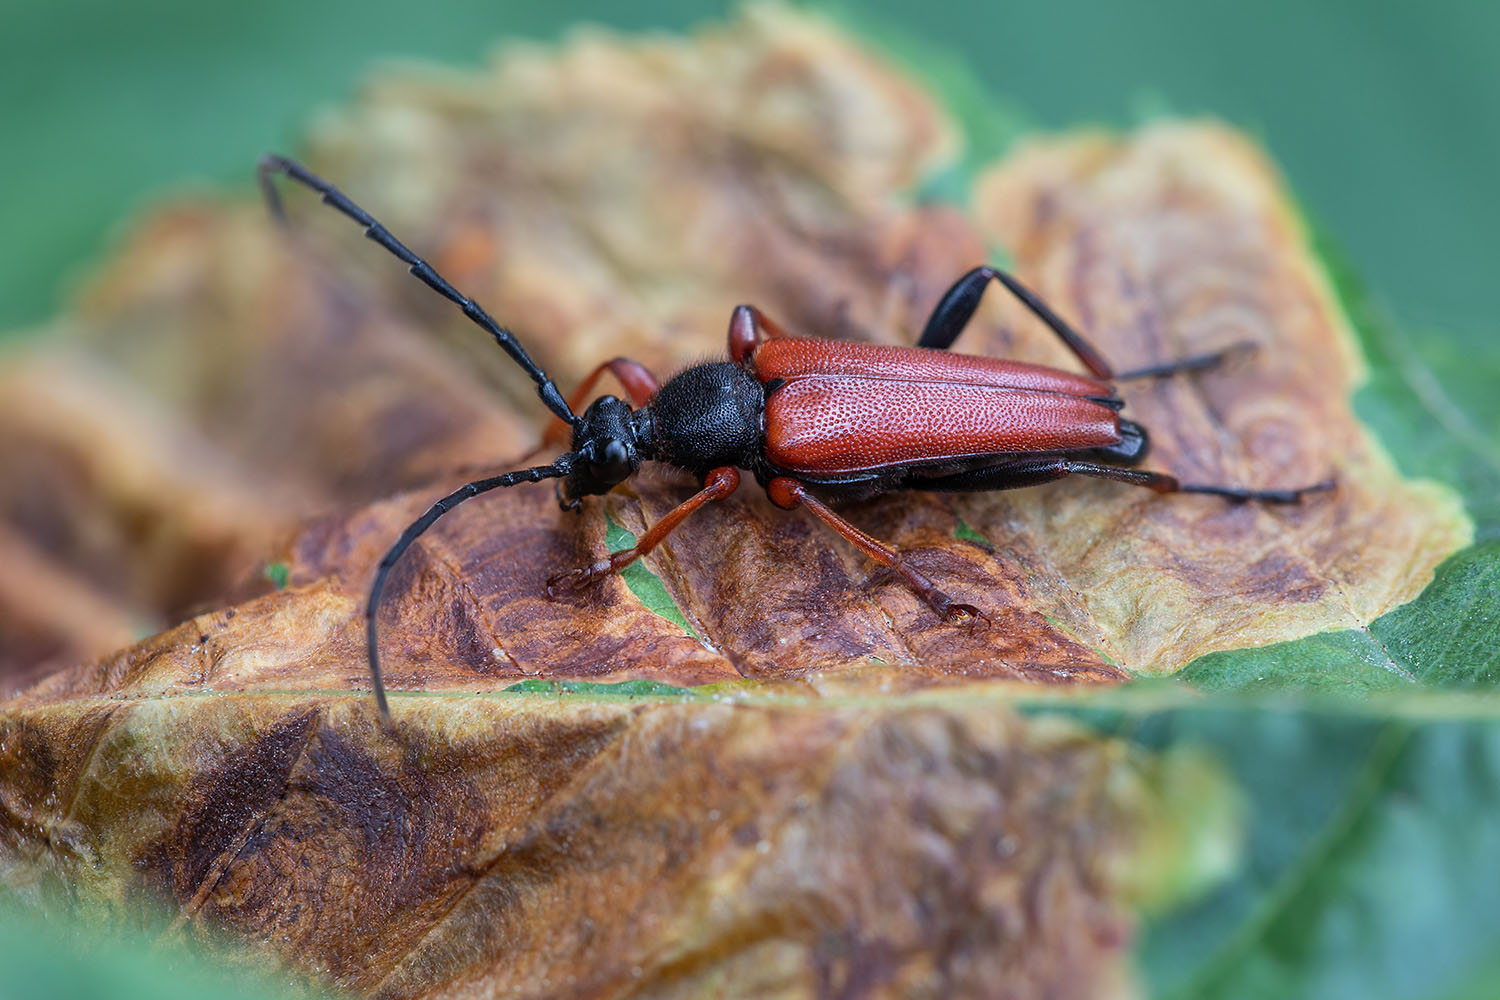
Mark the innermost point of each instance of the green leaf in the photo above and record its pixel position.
(278, 573)
(1369, 864)
(624, 689)
(1448, 637)
(644, 584)
(965, 532)
(66, 959)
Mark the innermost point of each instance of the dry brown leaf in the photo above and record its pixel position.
(618, 197)
(532, 847)
(775, 186)
(1174, 241)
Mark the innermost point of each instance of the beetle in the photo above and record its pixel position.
(813, 418)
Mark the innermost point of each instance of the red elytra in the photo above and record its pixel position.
(846, 408)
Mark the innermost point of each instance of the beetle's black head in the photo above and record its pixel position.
(610, 441)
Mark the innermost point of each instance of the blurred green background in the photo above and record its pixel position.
(1385, 115)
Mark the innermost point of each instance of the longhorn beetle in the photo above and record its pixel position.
(813, 418)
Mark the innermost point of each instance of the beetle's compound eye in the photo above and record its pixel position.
(615, 463)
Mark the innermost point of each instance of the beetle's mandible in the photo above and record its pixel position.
(814, 418)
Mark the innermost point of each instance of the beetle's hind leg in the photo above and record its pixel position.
(1195, 363)
(790, 494)
(1044, 469)
(958, 304)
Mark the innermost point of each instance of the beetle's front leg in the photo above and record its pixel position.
(716, 486)
(790, 494)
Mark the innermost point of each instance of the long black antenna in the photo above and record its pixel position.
(273, 164)
(559, 468)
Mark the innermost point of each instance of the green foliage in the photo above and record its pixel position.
(965, 532)
(623, 689)
(644, 584)
(65, 959)
(1449, 637)
(1369, 865)
(278, 573)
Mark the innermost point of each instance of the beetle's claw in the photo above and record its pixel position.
(953, 613)
(573, 581)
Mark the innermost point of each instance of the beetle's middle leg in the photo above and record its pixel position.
(790, 494)
(716, 486)
(748, 326)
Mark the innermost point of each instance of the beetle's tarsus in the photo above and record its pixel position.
(955, 613)
(1295, 496)
(1240, 495)
(576, 581)
(1195, 363)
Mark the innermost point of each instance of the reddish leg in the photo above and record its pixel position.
(640, 385)
(716, 486)
(748, 326)
(790, 494)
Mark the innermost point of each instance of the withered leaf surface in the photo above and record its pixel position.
(1177, 241)
(532, 847)
(618, 197)
(233, 357)
(263, 362)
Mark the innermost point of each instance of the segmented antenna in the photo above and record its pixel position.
(557, 469)
(273, 164)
